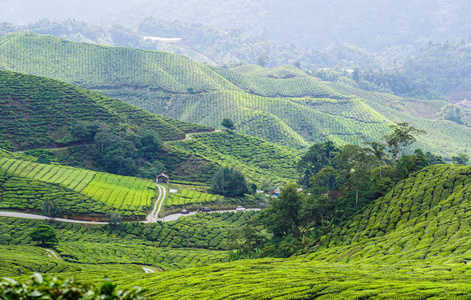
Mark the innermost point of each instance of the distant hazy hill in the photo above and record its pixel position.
(283, 105)
(370, 24)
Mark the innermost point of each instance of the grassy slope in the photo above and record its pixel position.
(24, 185)
(257, 159)
(424, 218)
(294, 111)
(411, 244)
(189, 242)
(443, 137)
(38, 111)
(31, 101)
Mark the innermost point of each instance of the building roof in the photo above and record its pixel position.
(164, 175)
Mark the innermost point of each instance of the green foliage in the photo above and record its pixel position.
(317, 157)
(44, 235)
(35, 99)
(402, 136)
(283, 216)
(460, 159)
(44, 288)
(228, 123)
(451, 113)
(229, 182)
(258, 160)
(50, 209)
(77, 192)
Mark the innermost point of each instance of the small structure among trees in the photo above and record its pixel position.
(162, 178)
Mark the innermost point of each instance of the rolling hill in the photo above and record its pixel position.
(412, 244)
(42, 113)
(284, 105)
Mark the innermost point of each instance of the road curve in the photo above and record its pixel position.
(158, 204)
(168, 218)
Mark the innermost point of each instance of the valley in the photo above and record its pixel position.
(197, 181)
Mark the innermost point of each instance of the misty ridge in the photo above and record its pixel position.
(415, 49)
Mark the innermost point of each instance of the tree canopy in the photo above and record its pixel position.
(229, 182)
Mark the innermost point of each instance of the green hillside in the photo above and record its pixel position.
(281, 72)
(443, 137)
(294, 111)
(189, 242)
(38, 112)
(258, 160)
(424, 218)
(411, 244)
(26, 184)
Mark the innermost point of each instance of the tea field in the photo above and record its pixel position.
(284, 106)
(25, 184)
(38, 112)
(258, 160)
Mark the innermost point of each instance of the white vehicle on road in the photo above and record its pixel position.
(240, 208)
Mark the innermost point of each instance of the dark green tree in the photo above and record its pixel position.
(114, 219)
(50, 209)
(460, 159)
(150, 145)
(315, 159)
(44, 235)
(324, 181)
(355, 163)
(229, 124)
(283, 217)
(452, 113)
(229, 182)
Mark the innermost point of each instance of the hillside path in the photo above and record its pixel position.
(188, 135)
(49, 252)
(154, 215)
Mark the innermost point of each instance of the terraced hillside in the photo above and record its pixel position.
(24, 185)
(443, 136)
(282, 106)
(41, 112)
(38, 112)
(424, 218)
(411, 244)
(258, 160)
(189, 242)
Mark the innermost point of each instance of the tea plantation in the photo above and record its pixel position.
(285, 106)
(26, 184)
(37, 112)
(256, 159)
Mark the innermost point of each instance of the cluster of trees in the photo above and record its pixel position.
(337, 183)
(122, 152)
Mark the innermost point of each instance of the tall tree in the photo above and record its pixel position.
(229, 182)
(356, 164)
(460, 159)
(317, 157)
(44, 235)
(50, 209)
(283, 217)
(402, 136)
(229, 124)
